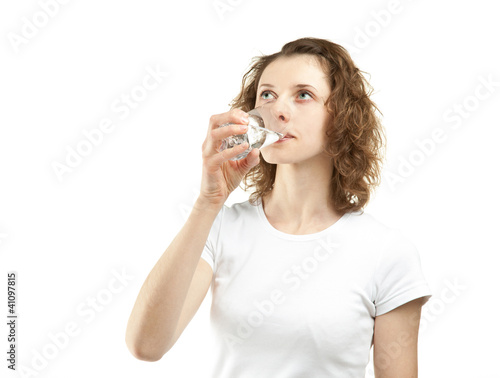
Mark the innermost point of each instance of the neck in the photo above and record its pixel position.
(301, 192)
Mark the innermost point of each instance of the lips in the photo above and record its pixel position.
(285, 138)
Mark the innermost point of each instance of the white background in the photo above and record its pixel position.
(120, 208)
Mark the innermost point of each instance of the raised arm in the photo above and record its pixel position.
(177, 284)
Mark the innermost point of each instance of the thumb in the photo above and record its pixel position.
(251, 160)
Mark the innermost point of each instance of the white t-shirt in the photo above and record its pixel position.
(296, 306)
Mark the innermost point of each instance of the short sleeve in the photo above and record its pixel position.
(399, 277)
(209, 250)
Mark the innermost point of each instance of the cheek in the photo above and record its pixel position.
(320, 127)
(326, 120)
(312, 142)
(317, 139)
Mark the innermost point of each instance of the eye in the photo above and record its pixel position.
(305, 93)
(264, 93)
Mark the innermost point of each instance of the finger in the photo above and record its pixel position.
(250, 161)
(216, 133)
(228, 153)
(214, 141)
(226, 131)
(236, 116)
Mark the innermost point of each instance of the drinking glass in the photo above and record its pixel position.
(257, 135)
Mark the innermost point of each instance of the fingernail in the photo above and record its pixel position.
(244, 127)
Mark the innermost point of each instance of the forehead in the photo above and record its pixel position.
(303, 68)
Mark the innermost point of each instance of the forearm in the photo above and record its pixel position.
(157, 309)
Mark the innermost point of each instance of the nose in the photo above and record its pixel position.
(281, 111)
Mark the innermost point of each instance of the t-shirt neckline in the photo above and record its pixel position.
(269, 227)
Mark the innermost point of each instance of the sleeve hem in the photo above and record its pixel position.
(209, 261)
(404, 297)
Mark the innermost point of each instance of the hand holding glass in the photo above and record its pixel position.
(257, 135)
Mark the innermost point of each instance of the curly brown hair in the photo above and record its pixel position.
(356, 139)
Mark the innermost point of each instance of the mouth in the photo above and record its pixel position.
(285, 138)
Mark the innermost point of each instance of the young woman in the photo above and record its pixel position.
(303, 281)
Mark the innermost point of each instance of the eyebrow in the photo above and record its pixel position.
(296, 86)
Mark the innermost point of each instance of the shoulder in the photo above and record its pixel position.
(365, 226)
(241, 207)
(393, 246)
(367, 221)
(238, 212)
(369, 233)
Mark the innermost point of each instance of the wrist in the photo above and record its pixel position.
(205, 205)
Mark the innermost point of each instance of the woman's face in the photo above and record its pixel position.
(297, 110)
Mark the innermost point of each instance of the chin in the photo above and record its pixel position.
(280, 157)
(275, 156)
